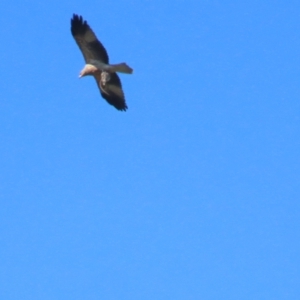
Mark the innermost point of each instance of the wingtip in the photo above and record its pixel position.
(78, 24)
(124, 108)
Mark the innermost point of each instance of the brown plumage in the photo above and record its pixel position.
(97, 63)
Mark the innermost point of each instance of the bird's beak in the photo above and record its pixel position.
(79, 76)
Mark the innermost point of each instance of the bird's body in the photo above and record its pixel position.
(97, 63)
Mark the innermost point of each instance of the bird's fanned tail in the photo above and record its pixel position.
(121, 68)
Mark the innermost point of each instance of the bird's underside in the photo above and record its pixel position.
(97, 63)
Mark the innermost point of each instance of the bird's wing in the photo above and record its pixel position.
(87, 41)
(112, 91)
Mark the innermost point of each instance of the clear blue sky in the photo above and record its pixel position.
(193, 193)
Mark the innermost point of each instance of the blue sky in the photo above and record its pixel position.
(193, 193)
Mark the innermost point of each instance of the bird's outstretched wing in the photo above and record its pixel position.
(112, 91)
(90, 46)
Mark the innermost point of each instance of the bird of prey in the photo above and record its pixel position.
(97, 63)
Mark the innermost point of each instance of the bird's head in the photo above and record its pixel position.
(82, 73)
(87, 70)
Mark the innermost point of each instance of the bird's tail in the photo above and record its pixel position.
(122, 68)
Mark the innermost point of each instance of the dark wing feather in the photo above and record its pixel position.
(112, 92)
(87, 41)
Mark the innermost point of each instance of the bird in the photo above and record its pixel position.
(97, 63)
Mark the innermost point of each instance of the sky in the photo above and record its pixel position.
(192, 193)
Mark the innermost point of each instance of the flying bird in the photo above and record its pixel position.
(97, 63)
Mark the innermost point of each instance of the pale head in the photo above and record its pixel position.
(87, 70)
